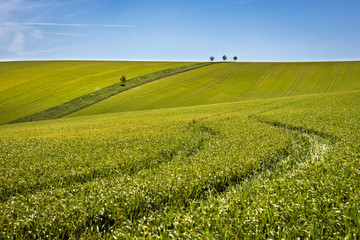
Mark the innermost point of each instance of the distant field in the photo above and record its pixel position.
(279, 168)
(30, 87)
(225, 151)
(227, 82)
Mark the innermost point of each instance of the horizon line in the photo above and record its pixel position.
(177, 60)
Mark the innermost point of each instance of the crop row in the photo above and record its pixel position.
(308, 195)
(282, 168)
(71, 186)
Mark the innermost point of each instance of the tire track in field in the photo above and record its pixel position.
(200, 134)
(204, 89)
(307, 148)
(336, 75)
(138, 96)
(298, 80)
(313, 149)
(258, 83)
(319, 144)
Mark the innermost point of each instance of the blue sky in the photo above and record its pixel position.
(185, 30)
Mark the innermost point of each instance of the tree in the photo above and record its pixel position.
(212, 58)
(123, 80)
(224, 57)
(235, 58)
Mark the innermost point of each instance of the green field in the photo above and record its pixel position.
(278, 168)
(227, 82)
(30, 87)
(225, 151)
(32, 91)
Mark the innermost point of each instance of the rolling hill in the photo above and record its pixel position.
(228, 82)
(30, 87)
(281, 167)
(222, 151)
(33, 91)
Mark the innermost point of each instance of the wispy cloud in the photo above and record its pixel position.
(6, 7)
(25, 25)
(37, 34)
(10, 7)
(17, 43)
(65, 34)
(26, 54)
(109, 25)
(44, 51)
(76, 25)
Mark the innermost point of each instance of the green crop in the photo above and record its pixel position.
(86, 100)
(269, 168)
(32, 91)
(31, 87)
(227, 82)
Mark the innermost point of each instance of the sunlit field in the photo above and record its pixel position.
(30, 87)
(269, 168)
(228, 82)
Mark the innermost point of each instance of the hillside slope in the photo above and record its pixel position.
(227, 82)
(280, 168)
(30, 87)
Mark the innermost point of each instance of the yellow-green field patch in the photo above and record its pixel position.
(30, 87)
(228, 82)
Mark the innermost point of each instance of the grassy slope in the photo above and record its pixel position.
(233, 82)
(30, 87)
(278, 168)
(89, 99)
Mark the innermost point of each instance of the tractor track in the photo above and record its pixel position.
(297, 81)
(204, 89)
(336, 75)
(258, 83)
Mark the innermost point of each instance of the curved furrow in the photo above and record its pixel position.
(336, 75)
(194, 143)
(258, 83)
(298, 80)
(206, 88)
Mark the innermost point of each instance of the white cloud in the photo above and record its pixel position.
(6, 7)
(9, 8)
(54, 24)
(44, 51)
(65, 34)
(37, 34)
(76, 25)
(25, 23)
(17, 44)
